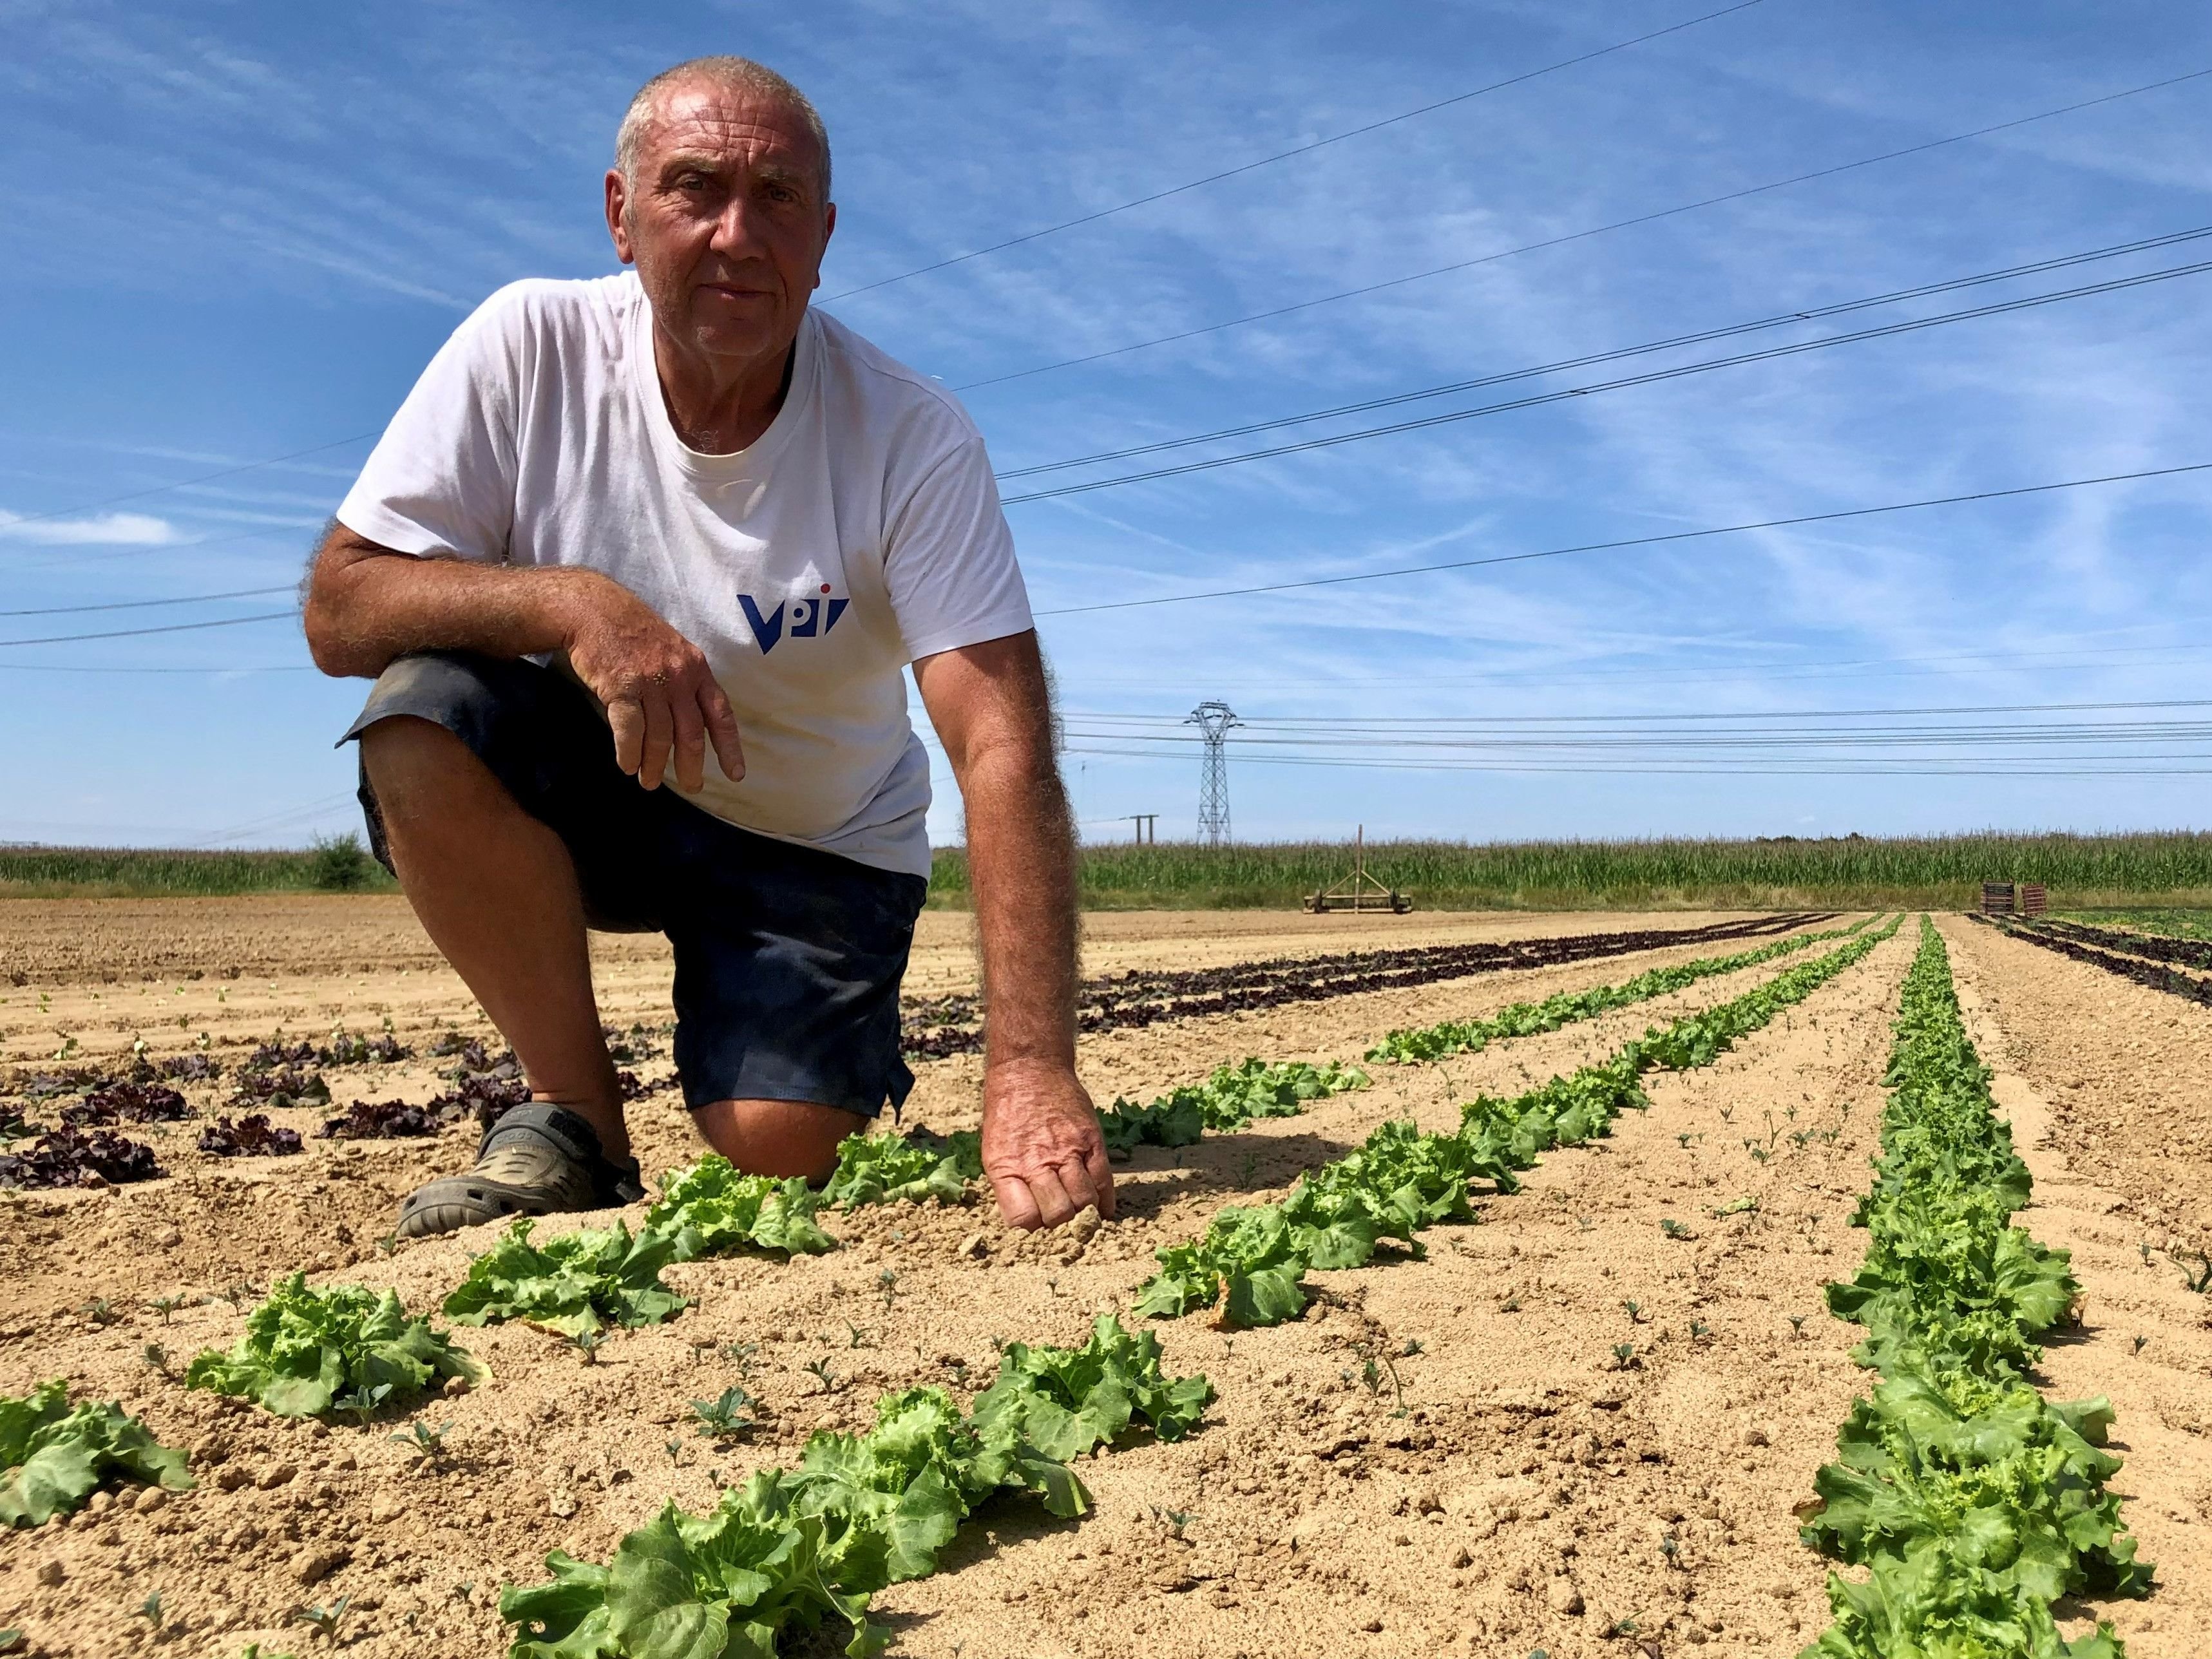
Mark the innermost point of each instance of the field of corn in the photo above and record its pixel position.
(1599, 1285)
(1942, 872)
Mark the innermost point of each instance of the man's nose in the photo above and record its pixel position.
(737, 232)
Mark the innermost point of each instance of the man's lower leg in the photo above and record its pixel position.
(497, 891)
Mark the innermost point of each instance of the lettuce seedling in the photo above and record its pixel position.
(577, 1282)
(709, 1209)
(881, 1168)
(307, 1353)
(53, 1456)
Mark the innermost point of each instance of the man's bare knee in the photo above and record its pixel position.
(411, 761)
(778, 1137)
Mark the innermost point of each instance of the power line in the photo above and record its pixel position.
(1585, 768)
(141, 605)
(1650, 377)
(1286, 155)
(1262, 316)
(204, 478)
(1924, 290)
(1258, 722)
(1579, 235)
(1701, 337)
(1631, 541)
(170, 627)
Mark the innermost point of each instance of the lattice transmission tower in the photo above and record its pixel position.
(1214, 720)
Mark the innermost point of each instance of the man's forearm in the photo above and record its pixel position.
(1021, 857)
(367, 606)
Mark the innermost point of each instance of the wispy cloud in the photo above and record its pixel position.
(94, 530)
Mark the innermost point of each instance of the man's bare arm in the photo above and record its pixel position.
(1041, 1146)
(366, 606)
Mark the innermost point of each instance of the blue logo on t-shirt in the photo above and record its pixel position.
(809, 617)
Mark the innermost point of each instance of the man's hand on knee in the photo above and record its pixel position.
(662, 699)
(1042, 1149)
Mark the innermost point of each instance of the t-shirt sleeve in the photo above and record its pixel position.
(442, 480)
(949, 559)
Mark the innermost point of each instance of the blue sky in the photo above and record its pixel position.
(239, 230)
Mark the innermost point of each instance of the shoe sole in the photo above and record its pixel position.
(453, 1202)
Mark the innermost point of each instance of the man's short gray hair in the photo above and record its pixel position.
(742, 73)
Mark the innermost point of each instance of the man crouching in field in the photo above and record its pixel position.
(672, 525)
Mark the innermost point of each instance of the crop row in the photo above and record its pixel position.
(1973, 1502)
(918, 1166)
(1251, 1263)
(1466, 1037)
(2172, 981)
(2185, 953)
(1162, 998)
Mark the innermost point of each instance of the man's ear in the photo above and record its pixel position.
(617, 212)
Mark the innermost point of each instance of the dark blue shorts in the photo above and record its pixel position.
(787, 959)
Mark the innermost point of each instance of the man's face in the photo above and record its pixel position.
(725, 219)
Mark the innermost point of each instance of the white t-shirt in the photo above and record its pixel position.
(861, 531)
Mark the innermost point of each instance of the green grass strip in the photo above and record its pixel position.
(1466, 1036)
(791, 1550)
(1973, 1502)
(1253, 1260)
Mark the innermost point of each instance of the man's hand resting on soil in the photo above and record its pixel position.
(1042, 1148)
(661, 696)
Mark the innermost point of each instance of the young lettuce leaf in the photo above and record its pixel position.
(54, 1455)
(305, 1348)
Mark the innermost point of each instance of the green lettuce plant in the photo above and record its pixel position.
(306, 1352)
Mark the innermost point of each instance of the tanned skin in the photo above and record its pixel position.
(725, 218)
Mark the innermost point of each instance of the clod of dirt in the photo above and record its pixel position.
(1562, 1597)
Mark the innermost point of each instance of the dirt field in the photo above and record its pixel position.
(1529, 1499)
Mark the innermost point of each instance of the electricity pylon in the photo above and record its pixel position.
(1214, 720)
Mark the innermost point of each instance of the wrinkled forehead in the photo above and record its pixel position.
(732, 125)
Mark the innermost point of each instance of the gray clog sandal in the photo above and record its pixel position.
(536, 1159)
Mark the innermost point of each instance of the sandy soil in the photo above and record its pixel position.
(1537, 1494)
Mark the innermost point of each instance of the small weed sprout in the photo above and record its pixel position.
(166, 1305)
(740, 1354)
(100, 1311)
(588, 1344)
(1797, 1323)
(887, 1285)
(1728, 1114)
(324, 1620)
(1634, 1309)
(2198, 1280)
(2142, 1342)
(820, 1368)
(1624, 1356)
(150, 1609)
(156, 1357)
(361, 1403)
(1699, 1330)
(426, 1440)
(857, 1337)
(1673, 1229)
(725, 1416)
(675, 1450)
